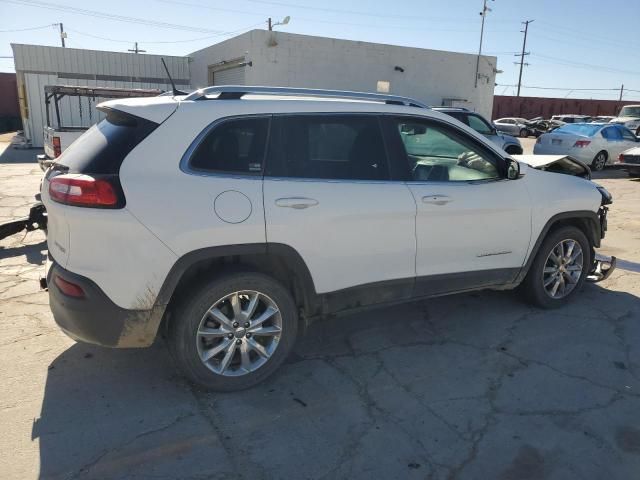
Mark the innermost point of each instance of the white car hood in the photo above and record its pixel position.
(555, 163)
(624, 119)
(537, 161)
(635, 151)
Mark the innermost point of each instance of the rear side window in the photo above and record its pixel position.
(340, 147)
(234, 146)
(612, 133)
(102, 148)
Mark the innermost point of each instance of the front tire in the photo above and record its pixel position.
(234, 331)
(559, 268)
(599, 161)
(524, 133)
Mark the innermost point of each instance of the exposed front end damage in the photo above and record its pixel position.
(557, 164)
(601, 269)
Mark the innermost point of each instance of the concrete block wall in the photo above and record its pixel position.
(285, 59)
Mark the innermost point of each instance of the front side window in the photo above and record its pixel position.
(234, 146)
(338, 147)
(436, 153)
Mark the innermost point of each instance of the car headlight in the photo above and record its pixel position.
(607, 198)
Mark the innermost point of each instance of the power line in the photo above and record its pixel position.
(30, 28)
(317, 20)
(108, 16)
(359, 13)
(585, 65)
(222, 34)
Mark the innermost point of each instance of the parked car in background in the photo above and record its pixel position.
(537, 126)
(571, 118)
(629, 116)
(513, 126)
(629, 160)
(602, 119)
(509, 144)
(288, 205)
(596, 144)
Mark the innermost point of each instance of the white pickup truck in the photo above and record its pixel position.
(58, 138)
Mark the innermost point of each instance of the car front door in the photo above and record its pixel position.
(473, 226)
(330, 195)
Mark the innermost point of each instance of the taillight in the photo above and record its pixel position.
(620, 158)
(84, 191)
(57, 149)
(68, 288)
(581, 143)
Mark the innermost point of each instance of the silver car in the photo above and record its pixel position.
(513, 126)
(595, 144)
(509, 144)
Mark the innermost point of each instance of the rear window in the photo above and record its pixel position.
(579, 129)
(102, 148)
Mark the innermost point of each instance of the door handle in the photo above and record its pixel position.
(436, 199)
(298, 203)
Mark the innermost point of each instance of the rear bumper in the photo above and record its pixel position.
(95, 318)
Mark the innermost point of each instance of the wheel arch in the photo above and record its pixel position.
(585, 220)
(513, 149)
(277, 260)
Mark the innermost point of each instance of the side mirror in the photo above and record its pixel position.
(513, 169)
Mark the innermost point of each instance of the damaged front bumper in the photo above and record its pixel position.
(601, 269)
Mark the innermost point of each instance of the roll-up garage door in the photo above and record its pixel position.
(229, 76)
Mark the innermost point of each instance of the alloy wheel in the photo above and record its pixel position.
(562, 269)
(239, 333)
(600, 161)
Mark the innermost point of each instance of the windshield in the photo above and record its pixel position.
(585, 129)
(630, 111)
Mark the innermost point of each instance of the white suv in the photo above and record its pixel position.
(230, 218)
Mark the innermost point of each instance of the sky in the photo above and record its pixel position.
(578, 48)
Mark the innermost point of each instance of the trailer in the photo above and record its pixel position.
(58, 137)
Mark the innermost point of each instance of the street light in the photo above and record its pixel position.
(284, 21)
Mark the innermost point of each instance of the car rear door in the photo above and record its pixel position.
(473, 227)
(330, 195)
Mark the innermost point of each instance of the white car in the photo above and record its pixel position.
(629, 160)
(595, 144)
(571, 118)
(629, 117)
(512, 126)
(231, 218)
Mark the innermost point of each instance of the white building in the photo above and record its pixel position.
(260, 57)
(37, 66)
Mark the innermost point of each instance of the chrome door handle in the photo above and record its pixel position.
(298, 203)
(436, 199)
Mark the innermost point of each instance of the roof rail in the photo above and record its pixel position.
(234, 92)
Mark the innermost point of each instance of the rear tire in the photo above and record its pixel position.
(248, 351)
(524, 133)
(599, 161)
(538, 285)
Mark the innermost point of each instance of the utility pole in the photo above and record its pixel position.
(621, 90)
(269, 24)
(63, 35)
(523, 54)
(483, 14)
(136, 49)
